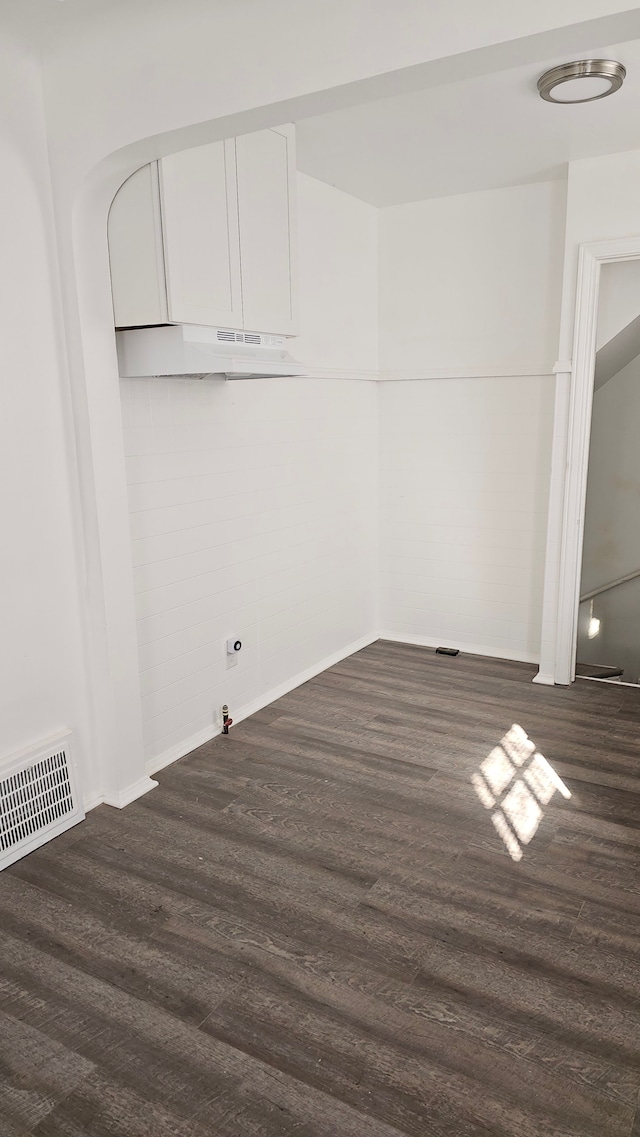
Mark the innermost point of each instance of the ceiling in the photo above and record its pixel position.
(485, 130)
(478, 134)
(46, 22)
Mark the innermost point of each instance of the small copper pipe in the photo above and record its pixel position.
(226, 721)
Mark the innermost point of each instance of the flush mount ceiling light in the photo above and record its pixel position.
(581, 82)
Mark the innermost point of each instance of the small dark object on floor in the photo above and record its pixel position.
(447, 651)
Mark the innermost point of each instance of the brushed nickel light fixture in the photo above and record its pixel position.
(581, 82)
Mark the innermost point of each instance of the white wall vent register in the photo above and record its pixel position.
(39, 798)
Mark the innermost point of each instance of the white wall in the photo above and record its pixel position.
(469, 294)
(464, 478)
(254, 504)
(41, 659)
(603, 202)
(338, 277)
(470, 285)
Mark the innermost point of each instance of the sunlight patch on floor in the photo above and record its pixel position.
(515, 782)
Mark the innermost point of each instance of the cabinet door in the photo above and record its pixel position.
(201, 242)
(266, 207)
(135, 252)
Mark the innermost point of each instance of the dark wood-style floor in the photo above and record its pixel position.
(317, 927)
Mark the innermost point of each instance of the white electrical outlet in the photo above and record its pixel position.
(233, 648)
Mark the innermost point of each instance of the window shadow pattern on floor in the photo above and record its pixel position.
(515, 782)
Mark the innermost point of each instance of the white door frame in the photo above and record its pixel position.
(570, 464)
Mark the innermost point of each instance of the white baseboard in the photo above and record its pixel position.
(543, 678)
(471, 649)
(130, 793)
(168, 757)
(90, 801)
(178, 751)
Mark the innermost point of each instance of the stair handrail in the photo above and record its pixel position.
(612, 584)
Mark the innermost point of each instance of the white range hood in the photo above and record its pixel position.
(198, 353)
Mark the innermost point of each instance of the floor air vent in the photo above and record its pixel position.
(39, 798)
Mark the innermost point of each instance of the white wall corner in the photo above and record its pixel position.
(130, 793)
(90, 801)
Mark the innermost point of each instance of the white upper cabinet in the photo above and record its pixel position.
(266, 188)
(199, 204)
(207, 236)
(135, 252)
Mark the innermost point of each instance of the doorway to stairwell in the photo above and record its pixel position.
(608, 632)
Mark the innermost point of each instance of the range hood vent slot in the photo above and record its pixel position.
(225, 336)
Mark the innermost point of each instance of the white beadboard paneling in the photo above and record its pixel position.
(251, 559)
(416, 554)
(463, 511)
(465, 606)
(148, 496)
(253, 513)
(139, 401)
(152, 628)
(163, 676)
(448, 570)
(179, 644)
(441, 589)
